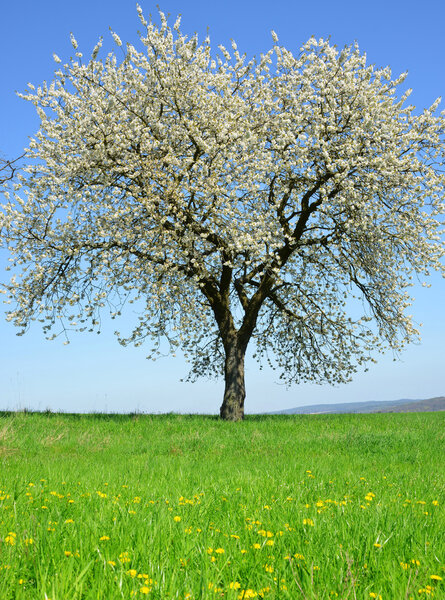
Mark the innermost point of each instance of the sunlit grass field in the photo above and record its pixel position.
(190, 507)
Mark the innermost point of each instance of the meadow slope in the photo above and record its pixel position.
(190, 507)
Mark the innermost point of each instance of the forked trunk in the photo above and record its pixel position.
(232, 408)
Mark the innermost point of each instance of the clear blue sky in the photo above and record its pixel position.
(94, 373)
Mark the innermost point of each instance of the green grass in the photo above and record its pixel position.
(163, 507)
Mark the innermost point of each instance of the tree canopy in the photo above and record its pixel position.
(287, 201)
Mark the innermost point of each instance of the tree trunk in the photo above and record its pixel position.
(232, 408)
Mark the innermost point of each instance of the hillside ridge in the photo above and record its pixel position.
(403, 405)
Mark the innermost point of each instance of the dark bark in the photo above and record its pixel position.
(234, 341)
(232, 408)
(8, 169)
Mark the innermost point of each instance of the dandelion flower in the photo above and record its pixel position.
(247, 594)
(10, 539)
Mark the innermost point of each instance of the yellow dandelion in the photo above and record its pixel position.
(104, 538)
(220, 551)
(145, 590)
(124, 558)
(247, 594)
(177, 518)
(436, 577)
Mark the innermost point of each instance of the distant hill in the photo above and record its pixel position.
(405, 405)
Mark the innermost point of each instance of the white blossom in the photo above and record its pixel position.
(116, 38)
(73, 41)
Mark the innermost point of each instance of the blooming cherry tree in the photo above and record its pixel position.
(286, 201)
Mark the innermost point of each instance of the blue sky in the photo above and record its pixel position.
(94, 373)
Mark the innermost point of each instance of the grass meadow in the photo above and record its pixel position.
(190, 507)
